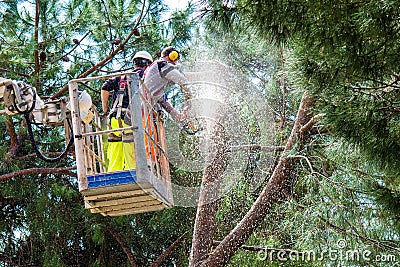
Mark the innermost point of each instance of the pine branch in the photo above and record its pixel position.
(315, 174)
(38, 171)
(168, 251)
(72, 49)
(12, 151)
(18, 73)
(108, 57)
(124, 246)
(353, 232)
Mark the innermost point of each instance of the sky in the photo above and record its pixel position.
(176, 4)
(173, 4)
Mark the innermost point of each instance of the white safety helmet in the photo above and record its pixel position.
(143, 54)
(85, 101)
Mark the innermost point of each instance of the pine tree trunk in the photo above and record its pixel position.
(12, 151)
(275, 191)
(205, 218)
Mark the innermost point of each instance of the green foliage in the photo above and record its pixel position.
(97, 233)
(332, 210)
(345, 53)
(44, 222)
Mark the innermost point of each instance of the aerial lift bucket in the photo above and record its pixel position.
(145, 188)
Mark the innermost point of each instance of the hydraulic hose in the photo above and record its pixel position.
(31, 108)
(33, 142)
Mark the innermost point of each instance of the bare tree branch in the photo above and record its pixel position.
(168, 251)
(107, 58)
(38, 171)
(73, 48)
(385, 86)
(124, 246)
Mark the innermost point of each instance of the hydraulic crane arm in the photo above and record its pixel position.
(21, 98)
(18, 96)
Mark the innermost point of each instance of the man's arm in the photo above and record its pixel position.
(172, 111)
(106, 90)
(104, 100)
(179, 78)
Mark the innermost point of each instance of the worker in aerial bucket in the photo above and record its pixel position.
(160, 74)
(120, 150)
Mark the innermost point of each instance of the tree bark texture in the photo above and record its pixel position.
(275, 191)
(205, 218)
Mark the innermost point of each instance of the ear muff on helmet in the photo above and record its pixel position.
(173, 55)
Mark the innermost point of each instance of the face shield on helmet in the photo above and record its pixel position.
(141, 62)
(142, 59)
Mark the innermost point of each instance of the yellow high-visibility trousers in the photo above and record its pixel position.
(129, 155)
(115, 156)
(121, 154)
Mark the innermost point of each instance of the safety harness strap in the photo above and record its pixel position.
(117, 106)
(164, 68)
